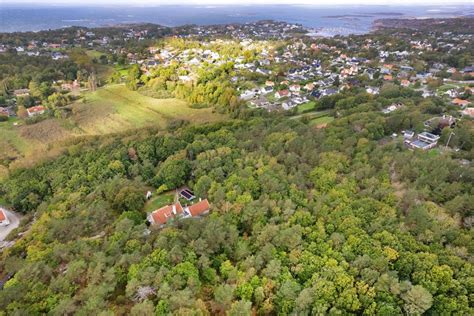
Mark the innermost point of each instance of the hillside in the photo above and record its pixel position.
(110, 109)
(303, 220)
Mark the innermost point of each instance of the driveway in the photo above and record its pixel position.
(14, 222)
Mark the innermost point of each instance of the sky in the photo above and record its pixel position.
(238, 2)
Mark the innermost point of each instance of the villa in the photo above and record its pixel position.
(162, 215)
(424, 141)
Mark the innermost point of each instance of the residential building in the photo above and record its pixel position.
(21, 93)
(462, 103)
(4, 221)
(282, 94)
(424, 141)
(176, 211)
(36, 110)
(408, 134)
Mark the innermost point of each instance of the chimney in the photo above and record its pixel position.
(200, 199)
(174, 209)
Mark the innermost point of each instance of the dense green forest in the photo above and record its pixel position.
(318, 209)
(303, 221)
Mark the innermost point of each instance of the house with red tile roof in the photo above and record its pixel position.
(35, 110)
(460, 102)
(162, 215)
(4, 221)
(198, 209)
(282, 93)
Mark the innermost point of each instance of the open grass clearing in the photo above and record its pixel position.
(110, 109)
(311, 115)
(12, 143)
(160, 200)
(114, 108)
(320, 121)
(305, 107)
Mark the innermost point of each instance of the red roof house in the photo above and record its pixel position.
(199, 208)
(4, 221)
(282, 93)
(35, 110)
(163, 215)
(460, 102)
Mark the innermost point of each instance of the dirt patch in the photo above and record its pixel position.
(45, 131)
(398, 186)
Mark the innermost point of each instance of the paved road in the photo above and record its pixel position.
(14, 222)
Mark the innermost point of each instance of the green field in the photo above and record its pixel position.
(110, 109)
(321, 120)
(312, 115)
(158, 201)
(305, 107)
(448, 86)
(114, 108)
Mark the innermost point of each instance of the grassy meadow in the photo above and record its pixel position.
(305, 107)
(114, 108)
(159, 201)
(110, 109)
(321, 121)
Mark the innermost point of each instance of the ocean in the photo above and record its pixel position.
(329, 20)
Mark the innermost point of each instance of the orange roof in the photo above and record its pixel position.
(37, 108)
(405, 82)
(162, 215)
(387, 77)
(2, 215)
(460, 101)
(199, 208)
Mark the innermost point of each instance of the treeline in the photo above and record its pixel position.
(43, 76)
(303, 221)
(211, 87)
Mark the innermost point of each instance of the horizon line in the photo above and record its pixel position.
(86, 3)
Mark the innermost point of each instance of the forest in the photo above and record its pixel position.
(303, 221)
(339, 218)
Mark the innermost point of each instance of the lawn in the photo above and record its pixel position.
(312, 115)
(321, 121)
(434, 152)
(305, 107)
(92, 53)
(159, 200)
(114, 108)
(448, 86)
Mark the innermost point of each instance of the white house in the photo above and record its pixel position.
(247, 94)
